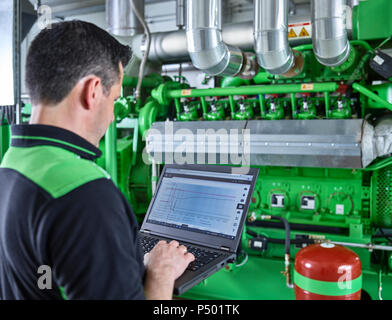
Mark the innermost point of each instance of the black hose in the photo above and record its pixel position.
(280, 241)
(287, 228)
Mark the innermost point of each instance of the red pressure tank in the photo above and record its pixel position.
(327, 272)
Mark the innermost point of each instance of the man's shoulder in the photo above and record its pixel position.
(55, 170)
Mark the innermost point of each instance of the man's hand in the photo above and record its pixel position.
(165, 263)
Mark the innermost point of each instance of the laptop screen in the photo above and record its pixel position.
(201, 201)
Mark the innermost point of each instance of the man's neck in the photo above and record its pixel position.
(55, 116)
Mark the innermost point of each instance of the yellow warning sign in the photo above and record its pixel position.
(307, 86)
(292, 33)
(186, 92)
(304, 33)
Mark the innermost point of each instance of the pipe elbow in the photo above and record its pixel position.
(330, 39)
(210, 54)
(271, 38)
(273, 52)
(206, 47)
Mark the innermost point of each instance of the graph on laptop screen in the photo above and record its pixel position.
(200, 201)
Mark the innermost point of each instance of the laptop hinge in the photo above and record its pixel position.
(145, 231)
(225, 248)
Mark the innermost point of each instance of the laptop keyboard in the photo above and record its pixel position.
(202, 256)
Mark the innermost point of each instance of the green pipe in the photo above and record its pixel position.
(232, 105)
(234, 82)
(178, 106)
(262, 105)
(327, 104)
(148, 82)
(361, 43)
(371, 95)
(147, 116)
(111, 151)
(203, 105)
(255, 90)
(4, 139)
(262, 77)
(293, 105)
(379, 165)
(303, 47)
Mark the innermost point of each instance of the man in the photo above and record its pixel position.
(60, 210)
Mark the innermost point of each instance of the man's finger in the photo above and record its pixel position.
(174, 243)
(189, 256)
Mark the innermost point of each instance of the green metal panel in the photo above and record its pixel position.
(372, 19)
(5, 136)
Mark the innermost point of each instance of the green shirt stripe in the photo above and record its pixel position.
(62, 293)
(55, 140)
(328, 288)
(56, 170)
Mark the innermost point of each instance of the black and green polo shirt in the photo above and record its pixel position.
(59, 209)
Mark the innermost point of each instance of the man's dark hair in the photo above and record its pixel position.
(62, 55)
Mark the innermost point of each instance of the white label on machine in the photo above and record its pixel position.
(379, 60)
(308, 203)
(277, 201)
(340, 209)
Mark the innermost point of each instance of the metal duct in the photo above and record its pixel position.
(286, 143)
(329, 33)
(180, 14)
(120, 17)
(171, 47)
(206, 48)
(271, 36)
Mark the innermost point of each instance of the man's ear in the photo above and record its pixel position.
(91, 92)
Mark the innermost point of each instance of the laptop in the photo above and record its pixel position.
(204, 208)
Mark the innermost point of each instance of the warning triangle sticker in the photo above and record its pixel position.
(304, 33)
(292, 33)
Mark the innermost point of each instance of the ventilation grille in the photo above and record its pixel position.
(382, 198)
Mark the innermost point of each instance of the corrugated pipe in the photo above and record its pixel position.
(206, 48)
(121, 19)
(329, 33)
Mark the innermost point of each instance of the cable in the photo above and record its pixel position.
(287, 228)
(280, 241)
(380, 284)
(286, 272)
(146, 53)
(243, 261)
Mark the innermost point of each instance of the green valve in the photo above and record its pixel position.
(275, 110)
(307, 109)
(217, 111)
(341, 108)
(190, 112)
(245, 111)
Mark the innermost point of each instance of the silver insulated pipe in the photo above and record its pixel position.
(120, 17)
(329, 34)
(271, 36)
(206, 48)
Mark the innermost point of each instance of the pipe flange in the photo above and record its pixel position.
(298, 66)
(250, 66)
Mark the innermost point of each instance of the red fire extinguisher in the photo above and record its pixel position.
(327, 272)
